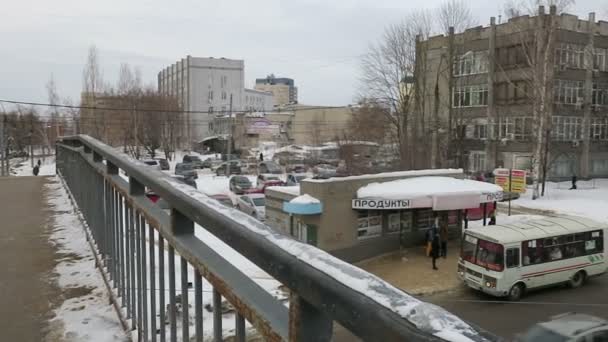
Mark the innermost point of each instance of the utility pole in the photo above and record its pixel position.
(31, 140)
(229, 139)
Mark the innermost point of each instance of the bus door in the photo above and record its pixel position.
(512, 271)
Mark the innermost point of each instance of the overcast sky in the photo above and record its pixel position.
(315, 42)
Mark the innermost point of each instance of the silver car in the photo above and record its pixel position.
(253, 204)
(568, 327)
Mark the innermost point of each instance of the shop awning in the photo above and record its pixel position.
(303, 205)
(438, 193)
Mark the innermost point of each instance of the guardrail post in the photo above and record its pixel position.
(182, 225)
(306, 323)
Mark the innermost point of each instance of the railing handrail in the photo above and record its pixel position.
(363, 303)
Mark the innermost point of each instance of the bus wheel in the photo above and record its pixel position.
(516, 292)
(577, 280)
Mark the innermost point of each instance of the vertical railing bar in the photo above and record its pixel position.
(239, 327)
(161, 287)
(172, 307)
(198, 305)
(128, 258)
(122, 248)
(139, 288)
(144, 278)
(132, 256)
(185, 320)
(152, 247)
(217, 316)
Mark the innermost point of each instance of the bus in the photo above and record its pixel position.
(507, 260)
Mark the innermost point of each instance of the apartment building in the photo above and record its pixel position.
(479, 85)
(284, 90)
(204, 87)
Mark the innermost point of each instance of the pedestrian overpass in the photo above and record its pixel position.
(137, 242)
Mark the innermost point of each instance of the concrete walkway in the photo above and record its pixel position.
(26, 288)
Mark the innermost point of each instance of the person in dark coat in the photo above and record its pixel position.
(573, 183)
(492, 218)
(39, 163)
(261, 157)
(435, 250)
(443, 237)
(36, 170)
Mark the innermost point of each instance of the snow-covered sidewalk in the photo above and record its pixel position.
(85, 314)
(589, 200)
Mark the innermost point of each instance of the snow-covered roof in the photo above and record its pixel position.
(290, 190)
(439, 193)
(305, 199)
(410, 173)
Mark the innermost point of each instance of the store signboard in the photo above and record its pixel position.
(511, 180)
(380, 204)
(262, 126)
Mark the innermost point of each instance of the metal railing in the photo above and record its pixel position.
(135, 241)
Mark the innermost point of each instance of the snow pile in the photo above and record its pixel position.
(305, 199)
(590, 203)
(410, 173)
(290, 190)
(86, 316)
(425, 186)
(433, 320)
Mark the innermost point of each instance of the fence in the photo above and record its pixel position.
(135, 241)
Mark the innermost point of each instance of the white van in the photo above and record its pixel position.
(507, 260)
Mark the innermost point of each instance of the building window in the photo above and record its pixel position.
(568, 92)
(471, 63)
(480, 131)
(210, 95)
(599, 95)
(210, 110)
(470, 96)
(223, 81)
(223, 95)
(599, 59)
(566, 128)
(515, 128)
(369, 224)
(478, 161)
(570, 56)
(599, 129)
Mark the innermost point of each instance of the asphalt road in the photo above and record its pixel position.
(506, 319)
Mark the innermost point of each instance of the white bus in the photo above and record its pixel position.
(508, 260)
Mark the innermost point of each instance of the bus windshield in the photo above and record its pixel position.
(483, 253)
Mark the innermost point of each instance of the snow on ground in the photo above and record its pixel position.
(22, 167)
(589, 200)
(85, 315)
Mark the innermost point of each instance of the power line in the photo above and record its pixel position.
(278, 110)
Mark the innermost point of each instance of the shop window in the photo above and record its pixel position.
(394, 222)
(406, 221)
(424, 219)
(369, 224)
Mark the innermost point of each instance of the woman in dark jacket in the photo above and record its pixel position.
(435, 250)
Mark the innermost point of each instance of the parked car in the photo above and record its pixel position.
(240, 184)
(188, 180)
(233, 166)
(253, 204)
(150, 162)
(269, 167)
(224, 199)
(164, 164)
(264, 181)
(296, 168)
(295, 178)
(568, 327)
(196, 161)
(324, 171)
(186, 170)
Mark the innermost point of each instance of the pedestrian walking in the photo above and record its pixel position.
(573, 183)
(261, 156)
(435, 250)
(443, 239)
(39, 163)
(492, 218)
(36, 170)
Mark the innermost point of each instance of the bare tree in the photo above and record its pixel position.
(456, 14)
(55, 115)
(516, 8)
(92, 85)
(386, 71)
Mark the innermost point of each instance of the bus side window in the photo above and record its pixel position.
(512, 257)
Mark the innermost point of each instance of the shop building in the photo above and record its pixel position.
(359, 217)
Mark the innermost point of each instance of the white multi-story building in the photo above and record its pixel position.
(204, 86)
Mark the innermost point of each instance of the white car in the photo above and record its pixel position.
(568, 327)
(253, 204)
